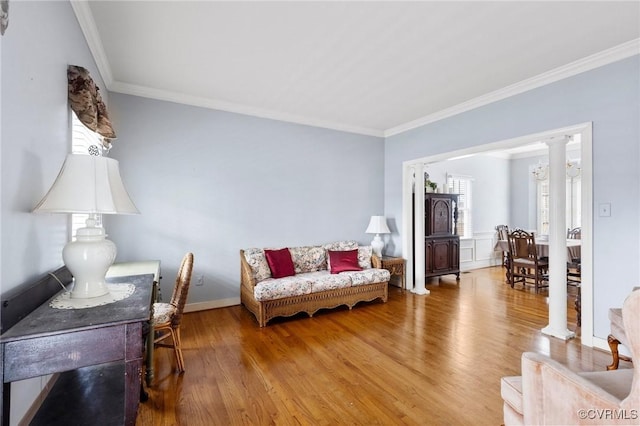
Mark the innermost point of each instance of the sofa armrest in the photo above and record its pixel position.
(247, 278)
(554, 394)
(376, 262)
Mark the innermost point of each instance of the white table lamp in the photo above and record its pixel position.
(377, 225)
(88, 184)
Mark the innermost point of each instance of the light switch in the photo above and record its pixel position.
(604, 209)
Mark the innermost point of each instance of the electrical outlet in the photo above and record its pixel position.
(200, 280)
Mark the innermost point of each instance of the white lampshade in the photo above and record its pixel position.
(88, 184)
(377, 225)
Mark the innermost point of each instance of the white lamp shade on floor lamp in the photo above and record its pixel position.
(91, 185)
(377, 225)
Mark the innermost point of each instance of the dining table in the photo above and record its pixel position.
(542, 248)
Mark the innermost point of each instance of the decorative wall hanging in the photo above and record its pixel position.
(86, 102)
(4, 16)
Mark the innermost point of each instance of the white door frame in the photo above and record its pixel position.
(586, 158)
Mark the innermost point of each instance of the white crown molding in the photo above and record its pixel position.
(88, 26)
(614, 54)
(573, 150)
(89, 29)
(165, 95)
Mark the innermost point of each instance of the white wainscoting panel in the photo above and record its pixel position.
(477, 252)
(467, 248)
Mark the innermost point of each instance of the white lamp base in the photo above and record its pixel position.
(377, 244)
(88, 259)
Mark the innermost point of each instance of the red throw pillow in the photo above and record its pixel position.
(344, 261)
(280, 263)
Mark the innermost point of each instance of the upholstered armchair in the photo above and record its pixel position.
(549, 393)
(617, 336)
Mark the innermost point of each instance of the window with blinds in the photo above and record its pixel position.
(543, 207)
(81, 139)
(461, 185)
(573, 204)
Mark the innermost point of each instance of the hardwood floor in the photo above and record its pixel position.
(416, 360)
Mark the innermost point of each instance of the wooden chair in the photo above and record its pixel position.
(525, 263)
(503, 234)
(574, 263)
(167, 316)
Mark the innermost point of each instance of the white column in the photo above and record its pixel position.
(408, 183)
(418, 232)
(557, 241)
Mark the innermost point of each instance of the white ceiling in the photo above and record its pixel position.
(375, 68)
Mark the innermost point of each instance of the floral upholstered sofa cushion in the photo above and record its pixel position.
(308, 259)
(312, 272)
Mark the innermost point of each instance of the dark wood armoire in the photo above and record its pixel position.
(442, 244)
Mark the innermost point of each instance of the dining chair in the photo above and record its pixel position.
(574, 262)
(503, 234)
(167, 316)
(525, 263)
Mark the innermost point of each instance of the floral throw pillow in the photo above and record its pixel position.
(364, 256)
(258, 262)
(308, 259)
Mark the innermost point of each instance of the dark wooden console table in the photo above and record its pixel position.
(97, 351)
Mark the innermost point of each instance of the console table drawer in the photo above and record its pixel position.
(45, 355)
(97, 351)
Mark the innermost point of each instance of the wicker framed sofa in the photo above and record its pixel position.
(287, 281)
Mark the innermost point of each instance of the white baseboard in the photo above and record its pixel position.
(601, 344)
(213, 304)
(46, 384)
(604, 345)
(477, 264)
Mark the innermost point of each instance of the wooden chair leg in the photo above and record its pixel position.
(512, 277)
(177, 347)
(613, 345)
(578, 306)
(144, 395)
(180, 350)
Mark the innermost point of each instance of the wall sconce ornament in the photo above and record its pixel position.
(573, 169)
(4, 16)
(541, 171)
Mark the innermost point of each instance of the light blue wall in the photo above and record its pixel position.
(41, 40)
(490, 187)
(523, 193)
(609, 97)
(214, 182)
(523, 189)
